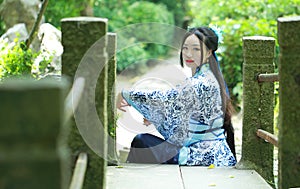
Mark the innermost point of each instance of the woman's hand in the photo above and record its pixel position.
(121, 103)
(146, 122)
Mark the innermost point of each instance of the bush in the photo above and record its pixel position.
(138, 12)
(59, 9)
(130, 56)
(143, 12)
(119, 14)
(176, 7)
(17, 61)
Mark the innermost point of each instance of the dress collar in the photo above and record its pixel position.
(202, 69)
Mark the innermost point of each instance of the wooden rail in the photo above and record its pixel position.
(267, 137)
(71, 103)
(268, 77)
(73, 98)
(79, 171)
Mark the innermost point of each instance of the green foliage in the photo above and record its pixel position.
(177, 7)
(2, 27)
(143, 12)
(239, 18)
(2, 24)
(139, 12)
(122, 14)
(59, 9)
(130, 56)
(17, 61)
(114, 9)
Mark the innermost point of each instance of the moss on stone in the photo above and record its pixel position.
(79, 34)
(31, 122)
(258, 102)
(289, 90)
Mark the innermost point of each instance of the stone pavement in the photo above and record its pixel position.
(136, 176)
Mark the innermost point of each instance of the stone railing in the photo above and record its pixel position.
(258, 104)
(89, 52)
(33, 147)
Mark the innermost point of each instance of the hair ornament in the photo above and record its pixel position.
(218, 31)
(189, 28)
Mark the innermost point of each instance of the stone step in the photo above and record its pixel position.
(137, 176)
(181, 177)
(220, 178)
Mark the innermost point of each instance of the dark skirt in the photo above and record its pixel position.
(147, 148)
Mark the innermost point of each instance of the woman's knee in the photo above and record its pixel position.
(145, 140)
(139, 141)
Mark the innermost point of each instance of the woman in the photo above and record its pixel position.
(191, 116)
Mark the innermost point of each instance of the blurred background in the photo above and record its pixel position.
(236, 18)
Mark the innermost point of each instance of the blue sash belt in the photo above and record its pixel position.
(201, 132)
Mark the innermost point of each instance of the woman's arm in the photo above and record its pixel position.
(167, 110)
(170, 111)
(121, 103)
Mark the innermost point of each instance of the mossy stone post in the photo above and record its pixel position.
(289, 98)
(111, 111)
(33, 150)
(258, 105)
(79, 35)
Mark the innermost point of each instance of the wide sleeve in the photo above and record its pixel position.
(170, 111)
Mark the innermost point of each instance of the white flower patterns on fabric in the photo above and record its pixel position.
(189, 116)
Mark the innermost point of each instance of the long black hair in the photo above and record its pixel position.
(208, 38)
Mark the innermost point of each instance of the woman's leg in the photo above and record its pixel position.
(147, 148)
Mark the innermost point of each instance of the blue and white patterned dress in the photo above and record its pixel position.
(189, 116)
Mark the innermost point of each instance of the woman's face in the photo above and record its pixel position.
(191, 52)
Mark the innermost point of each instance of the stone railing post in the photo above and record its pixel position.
(111, 111)
(289, 98)
(258, 105)
(33, 151)
(79, 35)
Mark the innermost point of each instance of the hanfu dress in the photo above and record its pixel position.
(189, 117)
